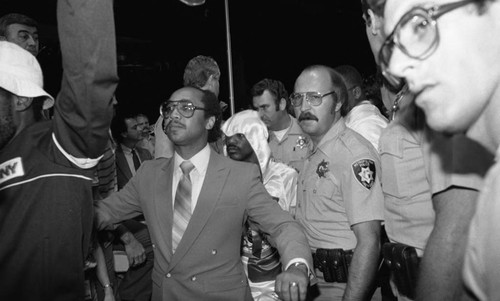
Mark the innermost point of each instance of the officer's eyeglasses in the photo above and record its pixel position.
(416, 35)
(312, 98)
(185, 107)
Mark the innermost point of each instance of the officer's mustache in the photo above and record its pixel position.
(307, 116)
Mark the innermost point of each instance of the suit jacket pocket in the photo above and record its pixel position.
(224, 283)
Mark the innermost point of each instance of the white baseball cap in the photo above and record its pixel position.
(21, 74)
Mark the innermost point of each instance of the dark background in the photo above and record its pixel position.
(269, 38)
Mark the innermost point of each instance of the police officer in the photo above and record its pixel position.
(339, 199)
(287, 141)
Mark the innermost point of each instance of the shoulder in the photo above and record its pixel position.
(158, 163)
(221, 161)
(144, 152)
(355, 144)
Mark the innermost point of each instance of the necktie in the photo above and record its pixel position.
(182, 205)
(135, 158)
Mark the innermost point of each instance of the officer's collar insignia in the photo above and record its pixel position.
(301, 142)
(322, 169)
(365, 172)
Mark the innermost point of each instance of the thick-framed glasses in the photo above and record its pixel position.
(185, 107)
(416, 35)
(312, 98)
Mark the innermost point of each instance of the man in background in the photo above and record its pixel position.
(287, 141)
(360, 113)
(246, 140)
(21, 30)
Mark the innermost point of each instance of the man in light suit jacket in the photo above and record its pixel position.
(133, 233)
(206, 265)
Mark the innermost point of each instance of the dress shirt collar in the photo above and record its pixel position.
(127, 150)
(200, 160)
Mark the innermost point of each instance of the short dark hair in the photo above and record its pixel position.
(212, 108)
(276, 88)
(198, 71)
(352, 78)
(118, 125)
(15, 18)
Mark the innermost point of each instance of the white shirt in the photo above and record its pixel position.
(197, 174)
(367, 121)
(127, 151)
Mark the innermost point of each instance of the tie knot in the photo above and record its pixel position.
(186, 167)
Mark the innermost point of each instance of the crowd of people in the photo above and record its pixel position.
(346, 188)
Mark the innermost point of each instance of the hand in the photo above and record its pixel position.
(135, 251)
(292, 284)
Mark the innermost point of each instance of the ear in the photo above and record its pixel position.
(282, 104)
(210, 123)
(22, 103)
(357, 92)
(338, 105)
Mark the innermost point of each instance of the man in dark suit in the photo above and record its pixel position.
(133, 234)
(196, 215)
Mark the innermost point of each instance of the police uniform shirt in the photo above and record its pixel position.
(339, 187)
(293, 148)
(409, 215)
(482, 258)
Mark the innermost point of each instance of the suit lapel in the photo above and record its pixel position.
(121, 162)
(211, 189)
(163, 204)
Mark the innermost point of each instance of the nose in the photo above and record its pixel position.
(175, 113)
(400, 64)
(305, 104)
(230, 139)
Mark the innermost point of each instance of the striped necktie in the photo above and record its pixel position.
(182, 205)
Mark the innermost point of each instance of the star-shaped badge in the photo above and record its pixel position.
(322, 169)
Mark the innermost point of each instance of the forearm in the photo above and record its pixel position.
(363, 270)
(102, 271)
(441, 267)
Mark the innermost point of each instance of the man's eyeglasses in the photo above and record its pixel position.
(313, 98)
(416, 35)
(185, 107)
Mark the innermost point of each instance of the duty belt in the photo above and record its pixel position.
(333, 263)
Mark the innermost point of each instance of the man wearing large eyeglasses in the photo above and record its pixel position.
(196, 205)
(448, 52)
(339, 199)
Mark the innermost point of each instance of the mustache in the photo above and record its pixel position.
(307, 116)
(171, 122)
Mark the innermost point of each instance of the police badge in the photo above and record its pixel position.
(322, 169)
(301, 142)
(365, 172)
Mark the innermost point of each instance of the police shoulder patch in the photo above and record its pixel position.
(364, 171)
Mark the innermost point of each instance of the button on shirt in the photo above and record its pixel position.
(197, 175)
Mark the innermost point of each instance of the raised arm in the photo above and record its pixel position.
(83, 108)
